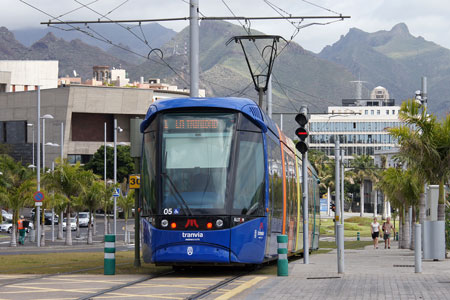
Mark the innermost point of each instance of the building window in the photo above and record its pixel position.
(378, 112)
(371, 112)
(366, 112)
(387, 111)
(393, 111)
(82, 158)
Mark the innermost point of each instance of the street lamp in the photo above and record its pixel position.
(47, 116)
(116, 128)
(32, 126)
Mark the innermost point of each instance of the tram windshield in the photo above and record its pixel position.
(195, 149)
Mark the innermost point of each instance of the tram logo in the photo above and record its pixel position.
(190, 251)
(191, 223)
(260, 232)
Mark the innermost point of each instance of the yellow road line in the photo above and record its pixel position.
(241, 288)
(38, 289)
(159, 296)
(162, 285)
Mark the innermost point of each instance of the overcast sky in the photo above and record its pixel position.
(423, 18)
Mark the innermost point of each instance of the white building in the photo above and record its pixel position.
(360, 124)
(26, 75)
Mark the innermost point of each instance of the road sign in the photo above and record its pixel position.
(135, 181)
(116, 192)
(38, 197)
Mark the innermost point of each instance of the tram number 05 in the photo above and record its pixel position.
(167, 211)
(135, 181)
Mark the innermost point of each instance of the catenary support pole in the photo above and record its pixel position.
(269, 97)
(261, 99)
(53, 211)
(340, 247)
(337, 180)
(38, 165)
(418, 249)
(115, 176)
(305, 208)
(194, 47)
(137, 214)
(342, 186)
(62, 143)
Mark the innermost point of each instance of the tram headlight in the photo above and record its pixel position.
(164, 223)
(219, 223)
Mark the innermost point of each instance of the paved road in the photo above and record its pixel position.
(5, 238)
(369, 274)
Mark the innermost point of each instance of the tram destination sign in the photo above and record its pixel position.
(195, 123)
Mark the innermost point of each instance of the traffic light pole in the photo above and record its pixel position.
(305, 208)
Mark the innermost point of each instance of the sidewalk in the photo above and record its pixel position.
(369, 274)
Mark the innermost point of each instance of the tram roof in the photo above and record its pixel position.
(246, 106)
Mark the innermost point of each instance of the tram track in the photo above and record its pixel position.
(215, 287)
(124, 285)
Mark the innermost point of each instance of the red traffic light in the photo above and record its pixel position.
(301, 133)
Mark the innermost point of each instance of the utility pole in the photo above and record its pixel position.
(194, 47)
(269, 97)
(38, 166)
(338, 219)
(342, 186)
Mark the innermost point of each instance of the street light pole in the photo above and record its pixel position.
(32, 127)
(38, 169)
(115, 174)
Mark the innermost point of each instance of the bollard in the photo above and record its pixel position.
(282, 262)
(110, 257)
(418, 250)
(358, 236)
(340, 247)
(396, 236)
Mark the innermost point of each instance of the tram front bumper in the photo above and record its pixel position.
(192, 253)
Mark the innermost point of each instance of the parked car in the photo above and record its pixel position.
(6, 215)
(48, 218)
(73, 224)
(84, 219)
(6, 226)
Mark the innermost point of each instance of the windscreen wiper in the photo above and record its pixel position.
(180, 198)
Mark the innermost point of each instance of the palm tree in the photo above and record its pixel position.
(363, 168)
(126, 203)
(92, 200)
(403, 187)
(66, 180)
(16, 190)
(107, 203)
(425, 144)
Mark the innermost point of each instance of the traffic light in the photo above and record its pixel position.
(301, 132)
(333, 206)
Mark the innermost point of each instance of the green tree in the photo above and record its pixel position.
(126, 203)
(16, 189)
(403, 187)
(425, 144)
(363, 168)
(125, 164)
(66, 180)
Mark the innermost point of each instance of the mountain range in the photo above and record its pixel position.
(394, 59)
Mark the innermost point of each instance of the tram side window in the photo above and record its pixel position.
(276, 178)
(249, 185)
(148, 173)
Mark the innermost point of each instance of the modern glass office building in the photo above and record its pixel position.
(360, 124)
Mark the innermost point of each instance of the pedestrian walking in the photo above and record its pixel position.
(388, 228)
(375, 229)
(21, 231)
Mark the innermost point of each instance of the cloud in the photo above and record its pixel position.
(425, 18)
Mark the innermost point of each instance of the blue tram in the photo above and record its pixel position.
(219, 182)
